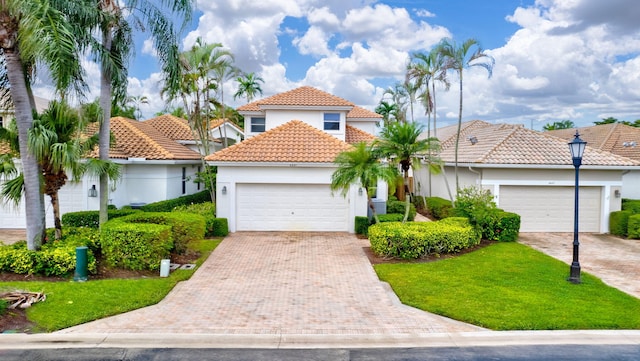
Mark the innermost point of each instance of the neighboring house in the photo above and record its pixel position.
(7, 114)
(221, 129)
(530, 173)
(279, 178)
(178, 130)
(154, 168)
(616, 138)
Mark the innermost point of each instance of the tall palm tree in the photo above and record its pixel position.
(457, 58)
(361, 166)
(400, 142)
(398, 94)
(387, 110)
(37, 31)
(135, 101)
(248, 86)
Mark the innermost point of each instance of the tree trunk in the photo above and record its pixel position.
(55, 203)
(105, 127)
(34, 205)
(458, 135)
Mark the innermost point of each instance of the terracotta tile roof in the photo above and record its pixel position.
(358, 112)
(303, 96)
(616, 138)
(294, 141)
(218, 122)
(354, 135)
(514, 144)
(172, 127)
(136, 139)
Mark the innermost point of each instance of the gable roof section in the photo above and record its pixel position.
(616, 138)
(136, 139)
(215, 123)
(172, 127)
(305, 96)
(354, 135)
(514, 144)
(292, 142)
(359, 112)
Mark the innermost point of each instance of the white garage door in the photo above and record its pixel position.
(290, 207)
(550, 209)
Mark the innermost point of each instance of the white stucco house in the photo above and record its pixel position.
(154, 168)
(530, 173)
(279, 178)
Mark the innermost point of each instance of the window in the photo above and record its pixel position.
(331, 121)
(257, 125)
(184, 180)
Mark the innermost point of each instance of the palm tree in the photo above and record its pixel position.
(33, 32)
(399, 95)
(457, 58)
(361, 166)
(564, 124)
(248, 86)
(399, 142)
(387, 110)
(135, 101)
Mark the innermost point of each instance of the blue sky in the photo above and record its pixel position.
(555, 59)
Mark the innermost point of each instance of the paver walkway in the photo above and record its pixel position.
(614, 260)
(281, 283)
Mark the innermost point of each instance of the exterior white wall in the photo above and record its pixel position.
(631, 185)
(228, 177)
(315, 118)
(368, 126)
(228, 131)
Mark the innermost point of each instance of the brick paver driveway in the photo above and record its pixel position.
(281, 283)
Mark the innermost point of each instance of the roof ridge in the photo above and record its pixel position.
(608, 136)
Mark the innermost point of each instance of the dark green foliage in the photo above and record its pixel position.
(390, 217)
(418, 239)
(206, 210)
(506, 228)
(396, 206)
(170, 204)
(439, 208)
(4, 305)
(619, 222)
(633, 228)
(419, 202)
(361, 225)
(91, 218)
(135, 246)
(185, 227)
(220, 227)
(493, 223)
(632, 205)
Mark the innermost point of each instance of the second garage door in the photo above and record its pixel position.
(290, 207)
(550, 209)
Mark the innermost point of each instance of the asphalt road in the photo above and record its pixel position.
(517, 353)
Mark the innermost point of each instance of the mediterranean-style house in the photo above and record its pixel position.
(530, 173)
(279, 177)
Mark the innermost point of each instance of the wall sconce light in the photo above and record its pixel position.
(224, 189)
(473, 140)
(360, 191)
(93, 192)
(616, 193)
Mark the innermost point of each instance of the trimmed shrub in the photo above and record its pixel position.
(220, 227)
(619, 223)
(170, 204)
(92, 218)
(135, 246)
(507, 227)
(206, 210)
(632, 205)
(390, 217)
(361, 225)
(439, 208)
(396, 206)
(418, 239)
(633, 227)
(185, 227)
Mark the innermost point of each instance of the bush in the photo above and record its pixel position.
(170, 204)
(361, 225)
(220, 227)
(633, 228)
(135, 246)
(92, 218)
(415, 240)
(391, 217)
(396, 206)
(506, 228)
(619, 223)
(439, 208)
(206, 210)
(632, 205)
(185, 227)
(419, 202)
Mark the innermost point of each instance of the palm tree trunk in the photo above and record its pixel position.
(458, 134)
(55, 203)
(34, 204)
(105, 127)
(372, 207)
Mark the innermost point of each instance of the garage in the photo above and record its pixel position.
(290, 207)
(551, 208)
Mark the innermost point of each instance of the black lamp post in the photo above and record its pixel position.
(576, 146)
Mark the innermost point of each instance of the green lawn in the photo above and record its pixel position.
(72, 303)
(510, 286)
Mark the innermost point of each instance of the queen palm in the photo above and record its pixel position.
(248, 86)
(457, 58)
(387, 110)
(400, 142)
(361, 166)
(31, 32)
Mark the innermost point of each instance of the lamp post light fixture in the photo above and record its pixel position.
(576, 146)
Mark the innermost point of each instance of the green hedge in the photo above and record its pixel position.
(206, 210)
(220, 227)
(135, 246)
(633, 228)
(418, 239)
(619, 223)
(390, 217)
(396, 206)
(185, 227)
(92, 218)
(170, 204)
(439, 208)
(632, 205)
(361, 225)
(501, 226)
(419, 202)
